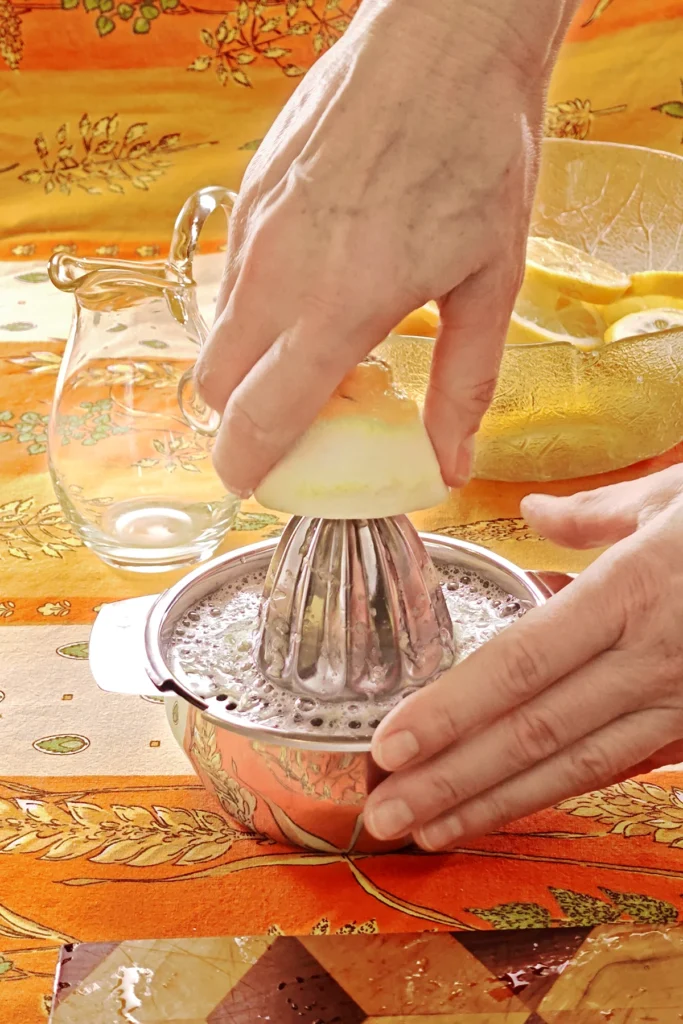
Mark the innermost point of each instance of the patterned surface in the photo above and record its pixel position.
(104, 834)
(149, 99)
(577, 976)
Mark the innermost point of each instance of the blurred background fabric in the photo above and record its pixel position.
(113, 112)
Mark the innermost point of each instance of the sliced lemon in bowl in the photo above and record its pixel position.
(658, 282)
(543, 315)
(422, 322)
(635, 303)
(573, 272)
(430, 311)
(645, 321)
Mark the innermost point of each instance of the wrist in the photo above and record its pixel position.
(522, 35)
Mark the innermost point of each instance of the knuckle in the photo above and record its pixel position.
(240, 424)
(535, 735)
(590, 767)
(574, 513)
(638, 582)
(447, 724)
(665, 663)
(523, 669)
(480, 395)
(445, 792)
(205, 381)
(486, 813)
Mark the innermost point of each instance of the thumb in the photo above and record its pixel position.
(594, 519)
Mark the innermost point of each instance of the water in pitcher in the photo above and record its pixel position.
(134, 479)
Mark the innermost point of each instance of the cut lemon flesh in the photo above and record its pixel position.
(431, 312)
(658, 282)
(573, 272)
(366, 456)
(646, 321)
(635, 303)
(423, 322)
(543, 315)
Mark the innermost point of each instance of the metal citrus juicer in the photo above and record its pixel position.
(352, 617)
(351, 607)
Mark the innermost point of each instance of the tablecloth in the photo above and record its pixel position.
(104, 834)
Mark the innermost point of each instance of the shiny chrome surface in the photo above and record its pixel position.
(177, 600)
(352, 608)
(310, 792)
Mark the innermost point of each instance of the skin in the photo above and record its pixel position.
(499, 736)
(401, 170)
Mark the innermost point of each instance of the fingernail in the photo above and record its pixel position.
(439, 834)
(462, 470)
(396, 750)
(389, 819)
(242, 494)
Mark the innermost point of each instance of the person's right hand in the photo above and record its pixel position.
(401, 170)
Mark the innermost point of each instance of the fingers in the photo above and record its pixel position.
(280, 397)
(531, 733)
(604, 516)
(587, 765)
(547, 644)
(240, 336)
(467, 354)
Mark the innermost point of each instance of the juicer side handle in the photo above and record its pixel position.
(551, 582)
(116, 650)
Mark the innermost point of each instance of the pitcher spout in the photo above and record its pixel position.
(67, 272)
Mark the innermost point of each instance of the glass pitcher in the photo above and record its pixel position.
(129, 443)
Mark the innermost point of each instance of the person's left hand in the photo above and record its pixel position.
(578, 694)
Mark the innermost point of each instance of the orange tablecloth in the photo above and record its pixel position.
(103, 834)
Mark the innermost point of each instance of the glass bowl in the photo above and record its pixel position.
(558, 412)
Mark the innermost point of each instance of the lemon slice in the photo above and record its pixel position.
(635, 303)
(543, 315)
(430, 311)
(658, 282)
(646, 321)
(573, 272)
(422, 322)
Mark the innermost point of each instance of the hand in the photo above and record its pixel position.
(566, 700)
(401, 170)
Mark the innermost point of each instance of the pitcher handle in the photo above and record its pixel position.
(188, 226)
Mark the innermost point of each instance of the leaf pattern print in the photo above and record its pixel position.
(27, 531)
(103, 156)
(580, 909)
(573, 119)
(235, 799)
(632, 809)
(121, 834)
(672, 108)
(260, 34)
(11, 39)
(601, 7)
(29, 429)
